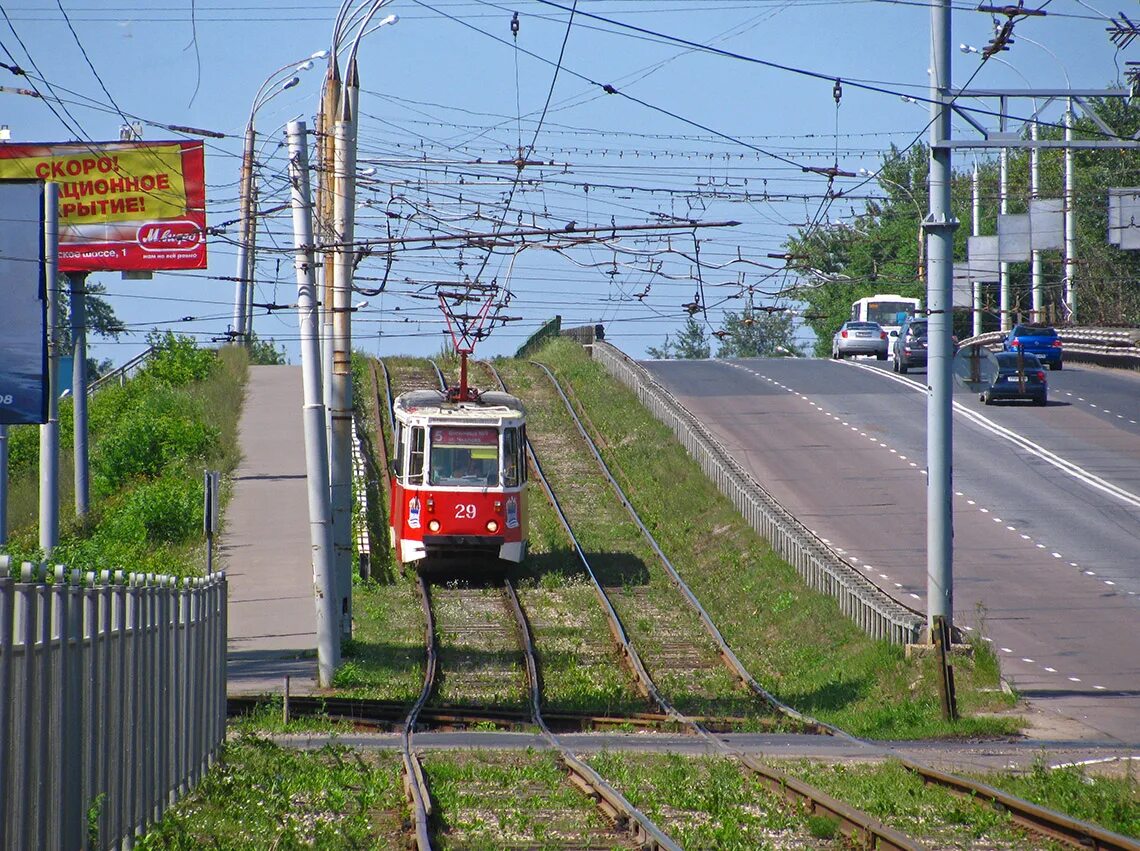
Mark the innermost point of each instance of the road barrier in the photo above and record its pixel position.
(879, 615)
(1112, 347)
(112, 701)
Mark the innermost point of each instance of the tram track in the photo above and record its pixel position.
(853, 822)
(1039, 820)
(477, 627)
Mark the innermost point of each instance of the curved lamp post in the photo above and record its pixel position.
(243, 290)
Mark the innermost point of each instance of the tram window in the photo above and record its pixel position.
(416, 457)
(464, 456)
(398, 462)
(522, 452)
(510, 458)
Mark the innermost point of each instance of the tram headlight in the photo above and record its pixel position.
(434, 525)
(492, 526)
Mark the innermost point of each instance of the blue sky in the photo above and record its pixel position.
(446, 94)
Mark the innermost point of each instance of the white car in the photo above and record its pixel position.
(859, 338)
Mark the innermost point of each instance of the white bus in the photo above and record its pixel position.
(890, 311)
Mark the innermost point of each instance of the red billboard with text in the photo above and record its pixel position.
(123, 206)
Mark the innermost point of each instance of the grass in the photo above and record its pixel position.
(707, 802)
(145, 507)
(491, 800)
(794, 641)
(1113, 802)
(263, 796)
(681, 658)
(901, 800)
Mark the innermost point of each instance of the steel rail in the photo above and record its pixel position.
(852, 822)
(1038, 819)
(415, 784)
(629, 653)
(611, 802)
(1041, 820)
(730, 659)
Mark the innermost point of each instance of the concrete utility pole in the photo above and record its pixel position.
(49, 431)
(1070, 219)
(939, 301)
(976, 230)
(1003, 202)
(1037, 279)
(316, 448)
(243, 246)
(344, 201)
(77, 283)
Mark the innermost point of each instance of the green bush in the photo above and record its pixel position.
(165, 511)
(177, 360)
(162, 427)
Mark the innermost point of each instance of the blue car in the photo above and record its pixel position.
(1042, 341)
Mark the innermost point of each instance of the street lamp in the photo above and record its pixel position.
(243, 290)
(339, 115)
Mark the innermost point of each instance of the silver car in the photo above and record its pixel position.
(859, 338)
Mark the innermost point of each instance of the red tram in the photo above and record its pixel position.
(459, 475)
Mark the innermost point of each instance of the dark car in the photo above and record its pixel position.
(1042, 341)
(1014, 380)
(908, 349)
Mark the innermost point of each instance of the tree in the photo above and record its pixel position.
(101, 318)
(265, 352)
(691, 343)
(756, 334)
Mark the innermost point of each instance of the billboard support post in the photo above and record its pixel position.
(49, 431)
(77, 290)
(3, 484)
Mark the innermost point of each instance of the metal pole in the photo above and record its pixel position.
(1034, 190)
(250, 262)
(939, 294)
(1070, 221)
(344, 199)
(316, 450)
(77, 283)
(327, 174)
(1003, 198)
(49, 431)
(3, 484)
(976, 230)
(244, 197)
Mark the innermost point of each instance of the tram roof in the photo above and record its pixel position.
(435, 403)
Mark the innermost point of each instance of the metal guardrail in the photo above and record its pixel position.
(1112, 347)
(112, 701)
(879, 615)
(120, 374)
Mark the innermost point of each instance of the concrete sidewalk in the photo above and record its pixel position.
(265, 548)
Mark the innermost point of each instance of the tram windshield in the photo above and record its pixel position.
(464, 456)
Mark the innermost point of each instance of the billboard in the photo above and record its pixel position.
(23, 320)
(123, 206)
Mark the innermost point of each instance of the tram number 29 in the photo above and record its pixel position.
(465, 512)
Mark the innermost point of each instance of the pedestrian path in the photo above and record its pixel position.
(265, 547)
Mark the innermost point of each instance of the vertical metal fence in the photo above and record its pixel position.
(878, 614)
(112, 701)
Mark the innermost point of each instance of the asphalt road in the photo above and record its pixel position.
(1046, 508)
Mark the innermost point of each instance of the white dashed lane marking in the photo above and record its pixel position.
(870, 569)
